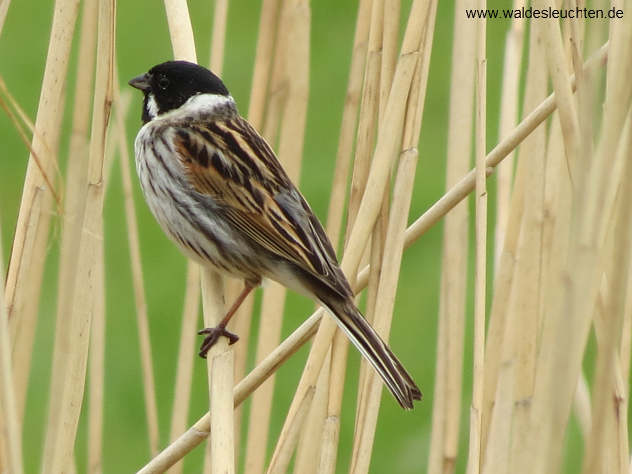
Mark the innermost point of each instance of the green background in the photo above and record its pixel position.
(402, 438)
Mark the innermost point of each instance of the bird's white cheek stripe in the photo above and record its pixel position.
(152, 106)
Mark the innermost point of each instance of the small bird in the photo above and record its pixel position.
(219, 192)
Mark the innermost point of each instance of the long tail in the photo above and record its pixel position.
(375, 350)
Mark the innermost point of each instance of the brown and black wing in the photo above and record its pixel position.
(231, 163)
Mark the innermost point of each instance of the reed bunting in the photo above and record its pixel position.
(219, 192)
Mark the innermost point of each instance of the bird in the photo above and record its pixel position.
(218, 191)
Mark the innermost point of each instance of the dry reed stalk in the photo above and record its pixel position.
(557, 201)
(524, 295)
(386, 59)
(333, 383)
(374, 258)
(96, 356)
(560, 77)
(367, 128)
(4, 8)
(480, 266)
(369, 400)
(277, 88)
(602, 430)
(510, 356)
(587, 87)
(293, 49)
(241, 326)
(308, 451)
(626, 334)
(367, 411)
(525, 298)
(86, 300)
(96, 385)
(621, 437)
(7, 395)
(222, 435)
(219, 36)
(320, 349)
(142, 320)
(298, 22)
(623, 381)
(365, 140)
(348, 124)
(566, 328)
(199, 431)
(557, 208)
(74, 205)
(466, 184)
(606, 447)
(28, 252)
(449, 365)
(77, 165)
(180, 30)
(220, 377)
(283, 455)
(507, 120)
(558, 193)
(10, 429)
(390, 40)
(498, 438)
(365, 136)
(498, 325)
(272, 306)
(317, 426)
(263, 62)
(388, 138)
(13, 117)
(186, 355)
(561, 80)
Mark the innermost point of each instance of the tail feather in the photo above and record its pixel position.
(376, 351)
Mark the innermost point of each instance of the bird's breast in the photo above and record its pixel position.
(192, 221)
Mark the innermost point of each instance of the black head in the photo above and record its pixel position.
(169, 85)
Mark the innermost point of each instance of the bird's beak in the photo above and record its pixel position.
(141, 82)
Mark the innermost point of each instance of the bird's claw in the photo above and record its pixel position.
(212, 336)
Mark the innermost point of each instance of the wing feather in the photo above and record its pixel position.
(231, 163)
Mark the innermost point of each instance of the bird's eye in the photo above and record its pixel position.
(163, 82)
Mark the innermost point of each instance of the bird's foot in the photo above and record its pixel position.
(212, 335)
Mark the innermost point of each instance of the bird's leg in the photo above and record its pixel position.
(213, 334)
